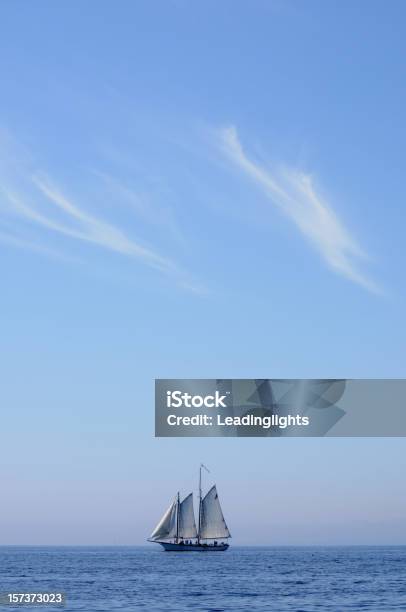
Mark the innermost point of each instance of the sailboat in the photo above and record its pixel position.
(176, 531)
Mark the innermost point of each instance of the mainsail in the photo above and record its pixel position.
(187, 525)
(212, 523)
(166, 528)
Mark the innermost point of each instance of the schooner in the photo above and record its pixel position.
(177, 531)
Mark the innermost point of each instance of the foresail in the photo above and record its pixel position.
(166, 527)
(212, 523)
(187, 525)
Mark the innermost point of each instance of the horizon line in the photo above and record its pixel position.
(233, 546)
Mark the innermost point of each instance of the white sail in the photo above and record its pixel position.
(187, 525)
(166, 528)
(212, 523)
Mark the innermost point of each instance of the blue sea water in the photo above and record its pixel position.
(303, 579)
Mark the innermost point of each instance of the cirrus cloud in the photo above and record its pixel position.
(295, 194)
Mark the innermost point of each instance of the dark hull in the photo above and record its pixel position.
(172, 547)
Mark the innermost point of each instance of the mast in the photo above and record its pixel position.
(177, 520)
(200, 503)
(200, 500)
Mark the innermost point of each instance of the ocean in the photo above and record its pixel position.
(304, 579)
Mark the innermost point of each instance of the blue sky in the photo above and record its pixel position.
(196, 190)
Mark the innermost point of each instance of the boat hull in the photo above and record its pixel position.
(172, 547)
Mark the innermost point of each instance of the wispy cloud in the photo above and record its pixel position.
(33, 207)
(29, 245)
(150, 205)
(295, 194)
(86, 227)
